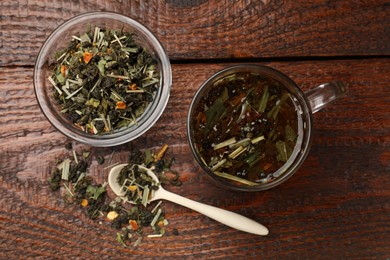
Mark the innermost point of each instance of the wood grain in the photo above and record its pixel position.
(214, 29)
(336, 206)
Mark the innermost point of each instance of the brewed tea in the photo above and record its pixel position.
(246, 128)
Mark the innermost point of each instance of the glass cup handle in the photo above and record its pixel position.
(320, 97)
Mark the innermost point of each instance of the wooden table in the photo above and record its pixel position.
(336, 206)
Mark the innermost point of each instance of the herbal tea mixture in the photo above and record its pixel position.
(132, 220)
(136, 184)
(103, 81)
(246, 128)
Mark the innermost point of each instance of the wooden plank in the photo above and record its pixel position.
(333, 207)
(215, 29)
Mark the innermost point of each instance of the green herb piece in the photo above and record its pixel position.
(218, 165)
(119, 239)
(155, 235)
(214, 113)
(243, 142)
(257, 139)
(68, 190)
(272, 135)
(149, 82)
(145, 195)
(128, 49)
(273, 113)
(226, 79)
(235, 178)
(149, 157)
(55, 180)
(100, 159)
(291, 135)
(282, 151)
(86, 155)
(93, 102)
(264, 100)
(156, 217)
(80, 178)
(137, 242)
(237, 152)
(225, 143)
(55, 85)
(60, 78)
(95, 191)
(74, 93)
(244, 107)
(156, 207)
(75, 157)
(85, 38)
(252, 158)
(65, 169)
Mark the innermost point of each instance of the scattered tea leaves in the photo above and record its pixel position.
(95, 191)
(100, 159)
(112, 215)
(64, 166)
(131, 219)
(119, 239)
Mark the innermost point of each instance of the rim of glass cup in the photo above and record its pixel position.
(151, 114)
(304, 110)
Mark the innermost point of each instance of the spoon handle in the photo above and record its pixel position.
(226, 217)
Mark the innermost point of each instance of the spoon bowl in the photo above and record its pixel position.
(119, 189)
(228, 218)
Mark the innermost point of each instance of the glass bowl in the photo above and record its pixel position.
(59, 40)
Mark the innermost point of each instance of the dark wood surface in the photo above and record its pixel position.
(337, 206)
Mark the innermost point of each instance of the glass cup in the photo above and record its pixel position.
(59, 40)
(305, 104)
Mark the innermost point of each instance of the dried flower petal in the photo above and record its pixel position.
(87, 57)
(63, 70)
(84, 202)
(120, 105)
(112, 215)
(160, 154)
(133, 86)
(132, 187)
(133, 224)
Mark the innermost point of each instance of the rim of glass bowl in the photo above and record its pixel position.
(151, 114)
(306, 139)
